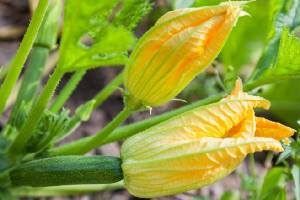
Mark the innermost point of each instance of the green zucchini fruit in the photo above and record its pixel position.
(67, 170)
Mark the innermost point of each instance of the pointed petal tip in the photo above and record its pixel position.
(270, 129)
(238, 87)
(237, 93)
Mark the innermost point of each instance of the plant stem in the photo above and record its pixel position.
(253, 168)
(67, 91)
(64, 190)
(71, 85)
(31, 81)
(98, 99)
(4, 69)
(36, 112)
(22, 53)
(129, 130)
(81, 147)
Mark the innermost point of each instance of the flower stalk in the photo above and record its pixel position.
(132, 129)
(85, 145)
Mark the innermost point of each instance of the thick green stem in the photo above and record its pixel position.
(126, 131)
(67, 91)
(36, 112)
(80, 148)
(31, 81)
(64, 190)
(22, 53)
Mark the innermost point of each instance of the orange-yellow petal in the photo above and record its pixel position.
(175, 50)
(187, 165)
(214, 120)
(269, 129)
(246, 128)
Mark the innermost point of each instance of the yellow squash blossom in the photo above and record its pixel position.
(198, 147)
(180, 45)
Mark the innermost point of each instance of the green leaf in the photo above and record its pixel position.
(279, 44)
(287, 64)
(288, 150)
(91, 19)
(274, 184)
(131, 13)
(296, 177)
(279, 194)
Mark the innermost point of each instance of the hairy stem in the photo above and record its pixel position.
(67, 91)
(126, 131)
(80, 147)
(36, 112)
(22, 53)
(98, 100)
(31, 81)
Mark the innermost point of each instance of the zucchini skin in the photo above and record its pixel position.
(67, 170)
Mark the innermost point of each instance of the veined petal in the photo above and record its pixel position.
(237, 93)
(188, 165)
(198, 11)
(169, 63)
(214, 120)
(246, 128)
(266, 128)
(175, 50)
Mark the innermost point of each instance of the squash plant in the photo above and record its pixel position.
(174, 152)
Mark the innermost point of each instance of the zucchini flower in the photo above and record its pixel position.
(180, 45)
(198, 147)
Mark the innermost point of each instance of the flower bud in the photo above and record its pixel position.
(198, 147)
(180, 45)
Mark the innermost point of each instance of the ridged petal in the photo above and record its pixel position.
(266, 128)
(214, 120)
(180, 12)
(189, 165)
(246, 128)
(176, 49)
(169, 63)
